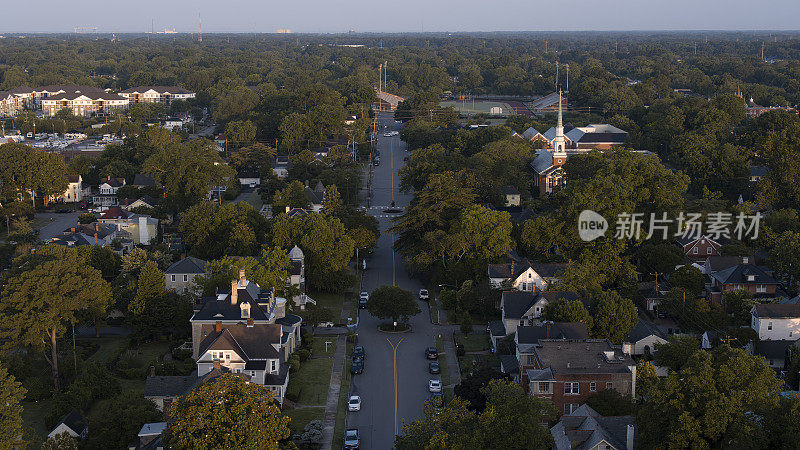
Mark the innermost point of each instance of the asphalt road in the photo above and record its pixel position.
(376, 420)
(55, 224)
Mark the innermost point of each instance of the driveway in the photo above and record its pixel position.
(52, 224)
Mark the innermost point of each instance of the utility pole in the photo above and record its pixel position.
(200, 23)
(567, 78)
(762, 51)
(385, 66)
(380, 85)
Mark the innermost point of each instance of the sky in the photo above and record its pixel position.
(335, 16)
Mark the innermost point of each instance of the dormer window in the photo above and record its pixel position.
(245, 308)
(751, 278)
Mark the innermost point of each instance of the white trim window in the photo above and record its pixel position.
(592, 387)
(571, 388)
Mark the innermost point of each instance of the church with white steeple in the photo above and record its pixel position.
(548, 162)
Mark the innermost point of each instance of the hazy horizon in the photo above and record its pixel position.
(248, 16)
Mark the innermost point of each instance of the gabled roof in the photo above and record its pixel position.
(249, 342)
(776, 310)
(557, 330)
(509, 190)
(548, 270)
(758, 171)
(115, 213)
(644, 329)
(585, 429)
(219, 308)
(497, 328)
(742, 273)
(168, 386)
(717, 263)
(314, 197)
(75, 421)
(543, 162)
(159, 89)
(509, 364)
(774, 349)
(143, 180)
(516, 303)
(187, 265)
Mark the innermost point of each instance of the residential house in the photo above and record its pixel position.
(82, 100)
(527, 338)
(586, 429)
(520, 274)
(699, 249)
(74, 424)
(777, 353)
(708, 339)
(76, 191)
(149, 437)
(748, 277)
(567, 372)
(776, 321)
(757, 173)
(642, 339)
(281, 166)
(156, 94)
(249, 178)
(10, 104)
(144, 202)
(520, 308)
(315, 196)
(653, 292)
(511, 195)
(107, 192)
(88, 234)
(179, 277)
(715, 264)
(142, 180)
(140, 228)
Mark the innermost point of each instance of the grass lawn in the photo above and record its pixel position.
(108, 348)
(442, 362)
(333, 302)
(302, 416)
(344, 397)
(469, 363)
(33, 416)
(255, 200)
(474, 342)
(311, 383)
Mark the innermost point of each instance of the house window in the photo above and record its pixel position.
(185, 278)
(570, 407)
(592, 387)
(709, 250)
(530, 360)
(769, 326)
(522, 323)
(609, 385)
(228, 356)
(694, 250)
(761, 288)
(252, 373)
(273, 365)
(571, 388)
(544, 387)
(173, 278)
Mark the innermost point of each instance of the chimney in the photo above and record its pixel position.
(152, 371)
(234, 293)
(183, 255)
(216, 364)
(218, 326)
(547, 331)
(513, 266)
(288, 209)
(95, 239)
(242, 278)
(249, 322)
(629, 437)
(745, 260)
(72, 230)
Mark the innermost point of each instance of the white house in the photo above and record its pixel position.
(642, 339)
(73, 424)
(76, 191)
(511, 195)
(776, 321)
(141, 228)
(522, 275)
(522, 308)
(107, 192)
(281, 166)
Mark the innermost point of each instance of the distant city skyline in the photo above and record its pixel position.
(325, 16)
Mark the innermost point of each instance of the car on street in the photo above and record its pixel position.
(362, 300)
(394, 133)
(431, 353)
(377, 161)
(351, 438)
(433, 368)
(354, 404)
(423, 295)
(358, 351)
(357, 365)
(435, 385)
(387, 134)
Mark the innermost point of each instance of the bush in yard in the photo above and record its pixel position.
(312, 433)
(294, 363)
(303, 354)
(86, 218)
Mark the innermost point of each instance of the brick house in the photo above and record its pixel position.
(748, 277)
(698, 249)
(567, 372)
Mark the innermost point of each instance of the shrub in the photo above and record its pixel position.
(294, 363)
(303, 354)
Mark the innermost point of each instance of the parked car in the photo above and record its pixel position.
(325, 325)
(431, 353)
(387, 134)
(362, 300)
(358, 351)
(377, 161)
(354, 404)
(351, 438)
(435, 386)
(357, 366)
(423, 295)
(433, 368)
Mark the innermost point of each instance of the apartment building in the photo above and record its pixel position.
(82, 100)
(156, 94)
(10, 104)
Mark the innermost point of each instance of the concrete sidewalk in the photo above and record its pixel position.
(453, 367)
(332, 404)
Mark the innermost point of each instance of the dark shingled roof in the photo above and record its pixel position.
(739, 274)
(774, 349)
(278, 379)
(546, 270)
(253, 342)
(290, 320)
(509, 364)
(516, 303)
(168, 386)
(777, 310)
(509, 190)
(644, 329)
(558, 330)
(75, 421)
(143, 180)
(497, 328)
(189, 264)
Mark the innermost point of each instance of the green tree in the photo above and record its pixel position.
(471, 386)
(738, 303)
(316, 314)
(293, 196)
(480, 236)
(39, 303)
(689, 279)
(119, 420)
(392, 302)
(613, 317)
(11, 394)
(227, 413)
(609, 402)
(240, 132)
(785, 257)
(710, 402)
(62, 441)
(151, 285)
(563, 310)
(676, 352)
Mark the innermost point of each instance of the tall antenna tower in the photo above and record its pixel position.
(200, 23)
(762, 51)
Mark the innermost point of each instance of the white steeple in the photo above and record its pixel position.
(559, 143)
